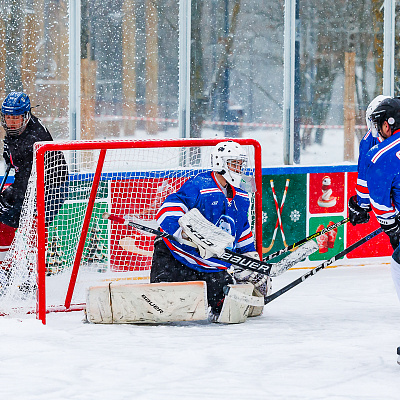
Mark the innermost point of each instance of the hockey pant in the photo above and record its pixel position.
(7, 234)
(165, 268)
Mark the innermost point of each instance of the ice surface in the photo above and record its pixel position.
(332, 337)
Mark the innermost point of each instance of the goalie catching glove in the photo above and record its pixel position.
(210, 240)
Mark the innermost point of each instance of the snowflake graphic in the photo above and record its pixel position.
(264, 217)
(295, 215)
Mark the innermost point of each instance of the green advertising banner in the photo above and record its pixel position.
(284, 196)
(329, 243)
(66, 228)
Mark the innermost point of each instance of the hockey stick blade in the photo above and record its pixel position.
(307, 239)
(293, 258)
(238, 260)
(341, 254)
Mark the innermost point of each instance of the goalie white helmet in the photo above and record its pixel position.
(370, 109)
(230, 160)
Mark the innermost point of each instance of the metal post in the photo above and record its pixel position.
(74, 69)
(388, 46)
(225, 90)
(288, 90)
(296, 94)
(185, 15)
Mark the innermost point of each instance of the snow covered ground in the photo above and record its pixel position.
(332, 337)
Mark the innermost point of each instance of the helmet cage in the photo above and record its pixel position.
(17, 131)
(16, 103)
(230, 174)
(370, 109)
(389, 111)
(223, 155)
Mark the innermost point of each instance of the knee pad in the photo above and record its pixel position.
(7, 234)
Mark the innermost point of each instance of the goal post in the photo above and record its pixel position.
(125, 177)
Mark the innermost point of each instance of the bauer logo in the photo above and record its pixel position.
(155, 306)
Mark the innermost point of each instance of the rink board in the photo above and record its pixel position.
(302, 212)
(301, 215)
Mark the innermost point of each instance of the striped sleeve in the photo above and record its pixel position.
(170, 209)
(245, 242)
(384, 214)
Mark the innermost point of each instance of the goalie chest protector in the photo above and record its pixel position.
(202, 192)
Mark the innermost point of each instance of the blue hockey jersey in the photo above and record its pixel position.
(383, 178)
(204, 193)
(367, 142)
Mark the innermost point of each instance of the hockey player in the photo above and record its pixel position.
(359, 205)
(383, 180)
(383, 165)
(23, 129)
(221, 201)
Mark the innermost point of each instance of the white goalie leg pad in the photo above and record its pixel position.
(205, 234)
(254, 310)
(235, 311)
(152, 303)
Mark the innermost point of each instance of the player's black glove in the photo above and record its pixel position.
(4, 206)
(393, 231)
(7, 155)
(357, 214)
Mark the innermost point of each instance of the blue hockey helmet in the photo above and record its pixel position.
(16, 103)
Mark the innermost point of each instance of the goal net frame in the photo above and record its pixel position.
(103, 146)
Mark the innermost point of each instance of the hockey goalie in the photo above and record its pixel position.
(207, 215)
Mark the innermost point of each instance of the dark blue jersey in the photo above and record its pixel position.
(383, 178)
(367, 142)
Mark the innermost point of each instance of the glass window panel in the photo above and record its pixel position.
(129, 68)
(237, 71)
(34, 58)
(341, 60)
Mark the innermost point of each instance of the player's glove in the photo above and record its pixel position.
(393, 231)
(357, 214)
(7, 156)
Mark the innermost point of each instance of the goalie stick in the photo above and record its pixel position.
(238, 260)
(302, 278)
(308, 238)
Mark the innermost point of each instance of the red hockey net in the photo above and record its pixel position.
(63, 245)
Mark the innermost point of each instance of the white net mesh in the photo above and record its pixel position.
(133, 181)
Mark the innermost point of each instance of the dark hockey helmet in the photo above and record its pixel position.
(389, 111)
(16, 103)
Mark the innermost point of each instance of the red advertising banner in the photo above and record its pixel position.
(379, 246)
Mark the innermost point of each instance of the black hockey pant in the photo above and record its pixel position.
(165, 268)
